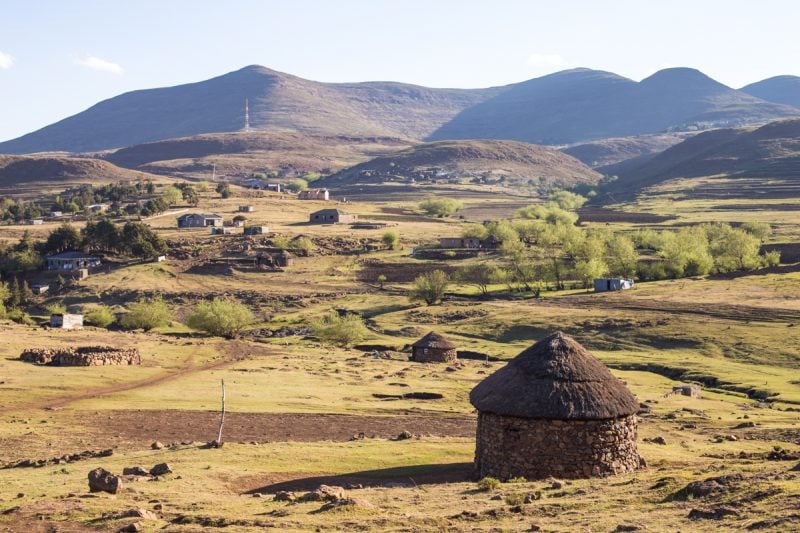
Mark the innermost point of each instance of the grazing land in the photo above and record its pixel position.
(398, 436)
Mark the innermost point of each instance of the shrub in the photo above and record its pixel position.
(772, 258)
(20, 317)
(390, 239)
(440, 207)
(519, 479)
(297, 185)
(429, 287)
(488, 483)
(381, 279)
(339, 330)
(515, 499)
(146, 314)
(221, 316)
(100, 316)
(56, 308)
(302, 246)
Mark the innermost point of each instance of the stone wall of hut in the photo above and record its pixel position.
(82, 356)
(510, 447)
(433, 355)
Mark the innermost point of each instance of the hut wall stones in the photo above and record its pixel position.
(510, 447)
(82, 356)
(554, 410)
(433, 348)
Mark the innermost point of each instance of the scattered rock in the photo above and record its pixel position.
(700, 489)
(712, 514)
(497, 497)
(782, 455)
(134, 471)
(285, 496)
(132, 528)
(142, 513)
(157, 446)
(732, 438)
(656, 440)
(347, 502)
(323, 493)
(160, 469)
(101, 480)
(745, 425)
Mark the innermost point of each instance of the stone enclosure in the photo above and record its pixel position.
(82, 356)
(538, 448)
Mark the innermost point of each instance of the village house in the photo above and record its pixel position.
(223, 230)
(71, 261)
(256, 230)
(612, 284)
(554, 410)
(433, 348)
(98, 208)
(314, 194)
(332, 216)
(459, 242)
(37, 222)
(246, 209)
(239, 220)
(199, 220)
(66, 321)
(40, 288)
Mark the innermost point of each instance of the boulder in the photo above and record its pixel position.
(324, 493)
(134, 471)
(141, 513)
(284, 496)
(347, 502)
(157, 445)
(101, 480)
(160, 469)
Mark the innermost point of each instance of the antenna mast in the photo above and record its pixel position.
(246, 116)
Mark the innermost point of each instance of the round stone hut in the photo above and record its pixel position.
(554, 410)
(433, 348)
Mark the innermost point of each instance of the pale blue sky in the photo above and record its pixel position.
(59, 57)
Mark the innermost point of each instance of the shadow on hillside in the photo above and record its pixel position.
(387, 477)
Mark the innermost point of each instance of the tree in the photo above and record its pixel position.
(138, 240)
(102, 235)
(479, 275)
(760, 230)
(390, 239)
(224, 190)
(222, 317)
(5, 295)
(474, 231)
(63, 238)
(587, 270)
(686, 252)
(340, 330)
(146, 314)
(732, 249)
(550, 213)
(440, 207)
(190, 195)
(101, 316)
(429, 287)
(297, 185)
(622, 256)
(171, 195)
(566, 200)
(381, 279)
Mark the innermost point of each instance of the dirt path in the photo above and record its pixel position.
(233, 351)
(166, 426)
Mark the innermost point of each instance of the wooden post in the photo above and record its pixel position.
(222, 416)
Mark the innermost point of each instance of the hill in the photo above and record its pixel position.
(244, 153)
(486, 162)
(37, 169)
(605, 152)
(562, 108)
(583, 104)
(277, 101)
(779, 89)
(765, 159)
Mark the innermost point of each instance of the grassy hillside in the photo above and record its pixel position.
(583, 104)
(503, 163)
(779, 89)
(611, 151)
(276, 101)
(761, 162)
(241, 152)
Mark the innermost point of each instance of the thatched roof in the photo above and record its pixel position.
(434, 340)
(556, 378)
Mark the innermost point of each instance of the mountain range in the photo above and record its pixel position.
(565, 107)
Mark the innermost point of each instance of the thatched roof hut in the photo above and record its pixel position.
(434, 348)
(554, 410)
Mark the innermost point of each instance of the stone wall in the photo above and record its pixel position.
(82, 356)
(433, 355)
(508, 447)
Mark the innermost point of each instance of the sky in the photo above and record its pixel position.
(59, 57)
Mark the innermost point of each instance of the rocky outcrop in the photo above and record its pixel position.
(509, 447)
(82, 356)
(101, 480)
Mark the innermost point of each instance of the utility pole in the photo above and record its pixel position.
(246, 116)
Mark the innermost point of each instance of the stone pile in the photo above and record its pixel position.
(82, 356)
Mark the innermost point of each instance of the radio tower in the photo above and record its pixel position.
(246, 117)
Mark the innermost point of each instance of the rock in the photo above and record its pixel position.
(284, 496)
(713, 514)
(405, 435)
(535, 527)
(134, 471)
(556, 484)
(628, 527)
(699, 489)
(324, 493)
(745, 425)
(731, 438)
(142, 513)
(497, 497)
(132, 528)
(796, 468)
(656, 440)
(347, 502)
(160, 469)
(157, 446)
(101, 480)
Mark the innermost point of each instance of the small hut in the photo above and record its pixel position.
(554, 410)
(433, 348)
